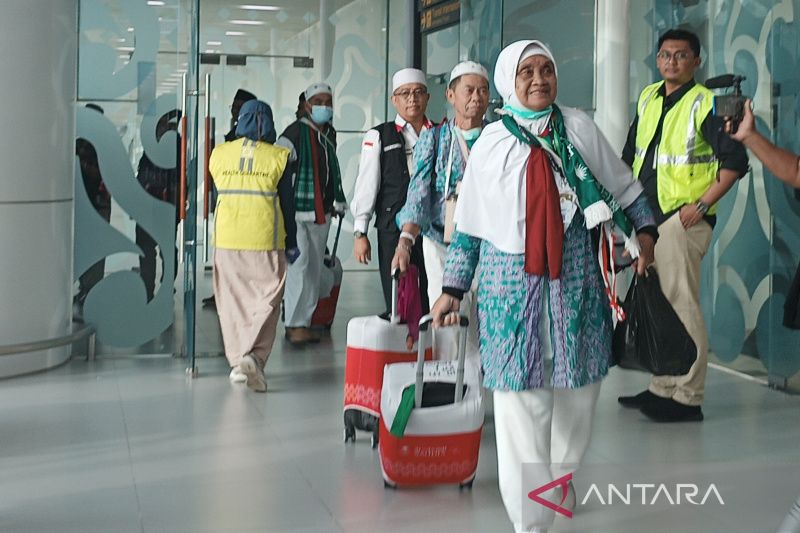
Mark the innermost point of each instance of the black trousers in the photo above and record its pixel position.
(387, 243)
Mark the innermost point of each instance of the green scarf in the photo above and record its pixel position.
(304, 182)
(597, 204)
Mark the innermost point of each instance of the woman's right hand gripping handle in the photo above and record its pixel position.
(445, 311)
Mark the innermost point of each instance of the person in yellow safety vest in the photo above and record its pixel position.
(254, 238)
(678, 150)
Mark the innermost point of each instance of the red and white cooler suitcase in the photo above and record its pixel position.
(442, 438)
(372, 343)
(330, 285)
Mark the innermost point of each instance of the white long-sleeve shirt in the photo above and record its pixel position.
(368, 182)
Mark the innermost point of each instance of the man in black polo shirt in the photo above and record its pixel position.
(686, 163)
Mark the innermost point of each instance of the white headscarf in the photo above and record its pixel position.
(491, 204)
(505, 72)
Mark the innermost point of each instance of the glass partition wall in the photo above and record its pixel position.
(133, 57)
(156, 80)
(132, 126)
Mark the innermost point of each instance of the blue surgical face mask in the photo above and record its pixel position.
(321, 114)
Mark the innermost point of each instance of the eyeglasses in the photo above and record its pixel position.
(680, 56)
(406, 94)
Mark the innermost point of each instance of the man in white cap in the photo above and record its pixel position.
(441, 157)
(317, 180)
(383, 176)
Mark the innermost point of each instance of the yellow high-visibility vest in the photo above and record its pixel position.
(248, 215)
(685, 162)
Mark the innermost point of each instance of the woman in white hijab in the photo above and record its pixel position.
(536, 182)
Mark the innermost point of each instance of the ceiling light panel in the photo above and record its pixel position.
(254, 7)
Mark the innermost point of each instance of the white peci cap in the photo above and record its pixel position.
(468, 67)
(318, 88)
(408, 75)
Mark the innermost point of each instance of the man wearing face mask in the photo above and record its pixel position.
(383, 175)
(440, 158)
(311, 141)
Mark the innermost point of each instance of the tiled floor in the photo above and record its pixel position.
(130, 444)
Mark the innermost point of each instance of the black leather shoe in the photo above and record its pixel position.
(668, 410)
(643, 398)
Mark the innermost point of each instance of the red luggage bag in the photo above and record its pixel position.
(442, 437)
(372, 343)
(326, 306)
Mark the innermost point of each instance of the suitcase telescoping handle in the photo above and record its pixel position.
(395, 317)
(425, 326)
(336, 240)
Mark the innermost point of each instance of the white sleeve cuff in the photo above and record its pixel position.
(361, 224)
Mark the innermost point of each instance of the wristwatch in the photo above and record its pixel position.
(358, 234)
(702, 207)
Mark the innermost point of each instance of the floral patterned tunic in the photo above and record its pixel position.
(511, 303)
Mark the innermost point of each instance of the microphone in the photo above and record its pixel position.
(725, 80)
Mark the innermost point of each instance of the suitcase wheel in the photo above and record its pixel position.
(467, 485)
(349, 434)
(387, 485)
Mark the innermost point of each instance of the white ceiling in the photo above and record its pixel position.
(269, 31)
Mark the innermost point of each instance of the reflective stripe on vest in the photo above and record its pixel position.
(685, 163)
(275, 207)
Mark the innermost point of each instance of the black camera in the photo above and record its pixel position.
(730, 106)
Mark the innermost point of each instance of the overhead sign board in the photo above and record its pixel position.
(439, 15)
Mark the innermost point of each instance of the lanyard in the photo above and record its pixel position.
(464, 153)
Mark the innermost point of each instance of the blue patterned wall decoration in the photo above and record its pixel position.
(117, 305)
(756, 242)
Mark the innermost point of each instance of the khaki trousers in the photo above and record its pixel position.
(679, 252)
(248, 286)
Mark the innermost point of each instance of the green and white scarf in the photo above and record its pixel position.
(597, 204)
(307, 167)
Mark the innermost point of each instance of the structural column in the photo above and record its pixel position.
(612, 70)
(326, 39)
(37, 147)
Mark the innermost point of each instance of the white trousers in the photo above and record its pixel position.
(435, 254)
(542, 426)
(303, 276)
